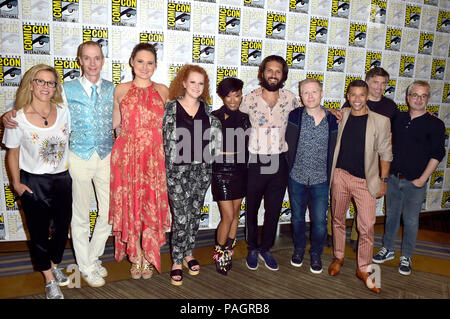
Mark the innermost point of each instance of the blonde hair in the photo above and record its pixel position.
(417, 83)
(306, 81)
(24, 94)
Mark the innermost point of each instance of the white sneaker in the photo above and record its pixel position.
(93, 279)
(100, 269)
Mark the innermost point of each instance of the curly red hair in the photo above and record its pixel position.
(177, 89)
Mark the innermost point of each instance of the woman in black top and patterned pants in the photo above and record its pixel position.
(229, 171)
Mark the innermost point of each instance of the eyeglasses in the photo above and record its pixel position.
(416, 96)
(50, 84)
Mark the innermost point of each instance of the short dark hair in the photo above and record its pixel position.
(270, 58)
(357, 83)
(377, 71)
(228, 85)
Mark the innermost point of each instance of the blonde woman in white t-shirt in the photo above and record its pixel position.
(38, 165)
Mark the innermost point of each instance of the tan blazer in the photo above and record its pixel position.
(378, 146)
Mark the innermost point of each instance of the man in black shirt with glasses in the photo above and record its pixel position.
(418, 147)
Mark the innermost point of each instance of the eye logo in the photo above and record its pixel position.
(36, 39)
(179, 16)
(203, 49)
(229, 21)
(64, 11)
(10, 71)
(275, 26)
(9, 9)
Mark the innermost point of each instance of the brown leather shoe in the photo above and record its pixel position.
(370, 283)
(335, 266)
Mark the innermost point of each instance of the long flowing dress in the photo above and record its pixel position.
(138, 194)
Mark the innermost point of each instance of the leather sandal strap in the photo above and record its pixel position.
(176, 272)
(193, 262)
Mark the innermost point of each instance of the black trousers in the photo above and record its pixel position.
(267, 178)
(49, 206)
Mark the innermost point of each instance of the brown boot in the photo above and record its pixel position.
(335, 266)
(370, 283)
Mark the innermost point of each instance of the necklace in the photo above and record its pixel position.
(43, 117)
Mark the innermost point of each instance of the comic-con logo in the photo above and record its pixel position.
(349, 79)
(229, 21)
(9, 9)
(173, 71)
(336, 59)
(393, 39)
(65, 10)
(403, 107)
(275, 26)
(332, 104)
(296, 56)
(426, 41)
(203, 49)
(431, 2)
(10, 202)
(120, 71)
(378, 11)
(68, 69)
(437, 180)
(223, 73)
(251, 51)
(357, 35)
(445, 203)
(446, 93)
(254, 3)
(389, 92)
(443, 23)
(407, 66)
(340, 9)
(10, 71)
(412, 16)
(318, 30)
(433, 109)
(124, 13)
(438, 69)
(314, 75)
(373, 59)
(99, 35)
(156, 39)
(178, 16)
(36, 38)
(299, 6)
(2, 227)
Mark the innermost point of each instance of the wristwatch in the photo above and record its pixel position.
(385, 179)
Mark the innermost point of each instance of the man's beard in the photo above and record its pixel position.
(271, 87)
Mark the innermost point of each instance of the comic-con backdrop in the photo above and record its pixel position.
(333, 41)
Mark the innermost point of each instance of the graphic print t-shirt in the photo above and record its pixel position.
(42, 150)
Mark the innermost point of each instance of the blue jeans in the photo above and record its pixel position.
(402, 196)
(316, 196)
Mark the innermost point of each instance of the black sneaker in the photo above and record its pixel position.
(316, 264)
(383, 255)
(405, 266)
(297, 259)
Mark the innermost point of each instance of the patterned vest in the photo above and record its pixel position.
(91, 124)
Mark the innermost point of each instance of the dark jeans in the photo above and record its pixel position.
(268, 184)
(50, 205)
(403, 196)
(317, 197)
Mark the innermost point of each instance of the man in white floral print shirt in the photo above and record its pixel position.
(268, 108)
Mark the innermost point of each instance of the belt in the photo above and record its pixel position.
(400, 176)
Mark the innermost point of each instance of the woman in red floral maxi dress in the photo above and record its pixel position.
(139, 210)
